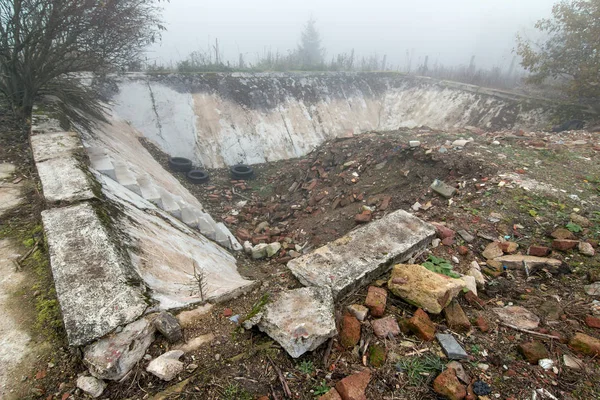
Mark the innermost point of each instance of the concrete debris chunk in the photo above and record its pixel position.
(359, 257)
(424, 288)
(451, 347)
(167, 366)
(310, 324)
(517, 316)
(443, 189)
(466, 236)
(359, 311)
(168, 326)
(90, 385)
(515, 261)
(115, 355)
(593, 289)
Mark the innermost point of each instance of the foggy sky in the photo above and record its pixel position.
(449, 31)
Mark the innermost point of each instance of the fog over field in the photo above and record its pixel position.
(449, 32)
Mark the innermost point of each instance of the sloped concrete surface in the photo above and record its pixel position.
(300, 320)
(364, 253)
(167, 251)
(96, 294)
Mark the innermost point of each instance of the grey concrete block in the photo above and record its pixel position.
(451, 347)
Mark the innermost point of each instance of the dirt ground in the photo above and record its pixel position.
(512, 186)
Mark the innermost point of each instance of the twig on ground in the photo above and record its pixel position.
(286, 389)
(327, 353)
(529, 332)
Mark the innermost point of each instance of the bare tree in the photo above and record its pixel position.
(44, 44)
(199, 281)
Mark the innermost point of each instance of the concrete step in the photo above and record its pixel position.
(149, 190)
(169, 204)
(101, 162)
(126, 178)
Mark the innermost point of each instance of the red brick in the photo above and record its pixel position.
(353, 387)
(376, 301)
(585, 344)
(350, 332)
(228, 312)
(538, 251)
(331, 395)
(363, 218)
(448, 241)
(421, 326)
(463, 250)
(482, 324)
(385, 327)
(243, 234)
(509, 247)
(533, 351)
(592, 322)
(456, 317)
(443, 232)
(564, 244)
(447, 384)
(473, 299)
(385, 203)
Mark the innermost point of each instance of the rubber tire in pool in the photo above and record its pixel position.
(180, 164)
(242, 172)
(197, 176)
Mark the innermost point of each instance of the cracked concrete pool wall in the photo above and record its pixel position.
(219, 119)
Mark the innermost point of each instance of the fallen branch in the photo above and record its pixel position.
(327, 353)
(30, 252)
(286, 389)
(529, 332)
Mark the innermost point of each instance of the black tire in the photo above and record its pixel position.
(197, 176)
(242, 172)
(180, 164)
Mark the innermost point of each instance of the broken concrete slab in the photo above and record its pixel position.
(424, 288)
(63, 180)
(10, 196)
(114, 356)
(90, 385)
(92, 282)
(515, 261)
(364, 254)
(310, 324)
(6, 170)
(517, 316)
(48, 146)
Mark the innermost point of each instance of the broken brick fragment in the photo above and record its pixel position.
(376, 300)
(350, 332)
(353, 387)
(456, 317)
(564, 244)
(363, 218)
(421, 326)
(538, 251)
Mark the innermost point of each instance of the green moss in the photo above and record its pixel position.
(377, 355)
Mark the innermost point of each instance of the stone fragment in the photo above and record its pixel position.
(423, 288)
(195, 343)
(311, 324)
(377, 355)
(385, 327)
(551, 310)
(414, 143)
(443, 231)
(592, 322)
(90, 385)
(363, 218)
(467, 237)
(479, 278)
(515, 261)
(273, 248)
(188, 319)
(448, 385)
(564, 244)
(517, 316)
(509, 247)
(376, 300)
(443, 189)
(533, 351)
(562, 233)
(586, 249)
(460, 371)
(451, 347)
(259, 251)
(482, 324)
(585, 344)
(6, 170)
(364, 254)
(470, 283)
(359, 311)
(353, 387)
(538, 251)
(168, 326)
(460, 143)
(422, 326)
(580, 220)
(456, 318)
(331, 395)
(573, 362)
(166, 366)
(113, 356)
(350, 331)
(593, 289)
(493, 250)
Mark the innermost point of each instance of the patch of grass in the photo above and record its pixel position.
(233, 391)
(440, 266)
(306, 367)
(321, 389)
(419, 369)
(573, 227)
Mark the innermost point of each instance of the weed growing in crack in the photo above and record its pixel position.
(306, 367)
(321, 389)
(233, 391)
